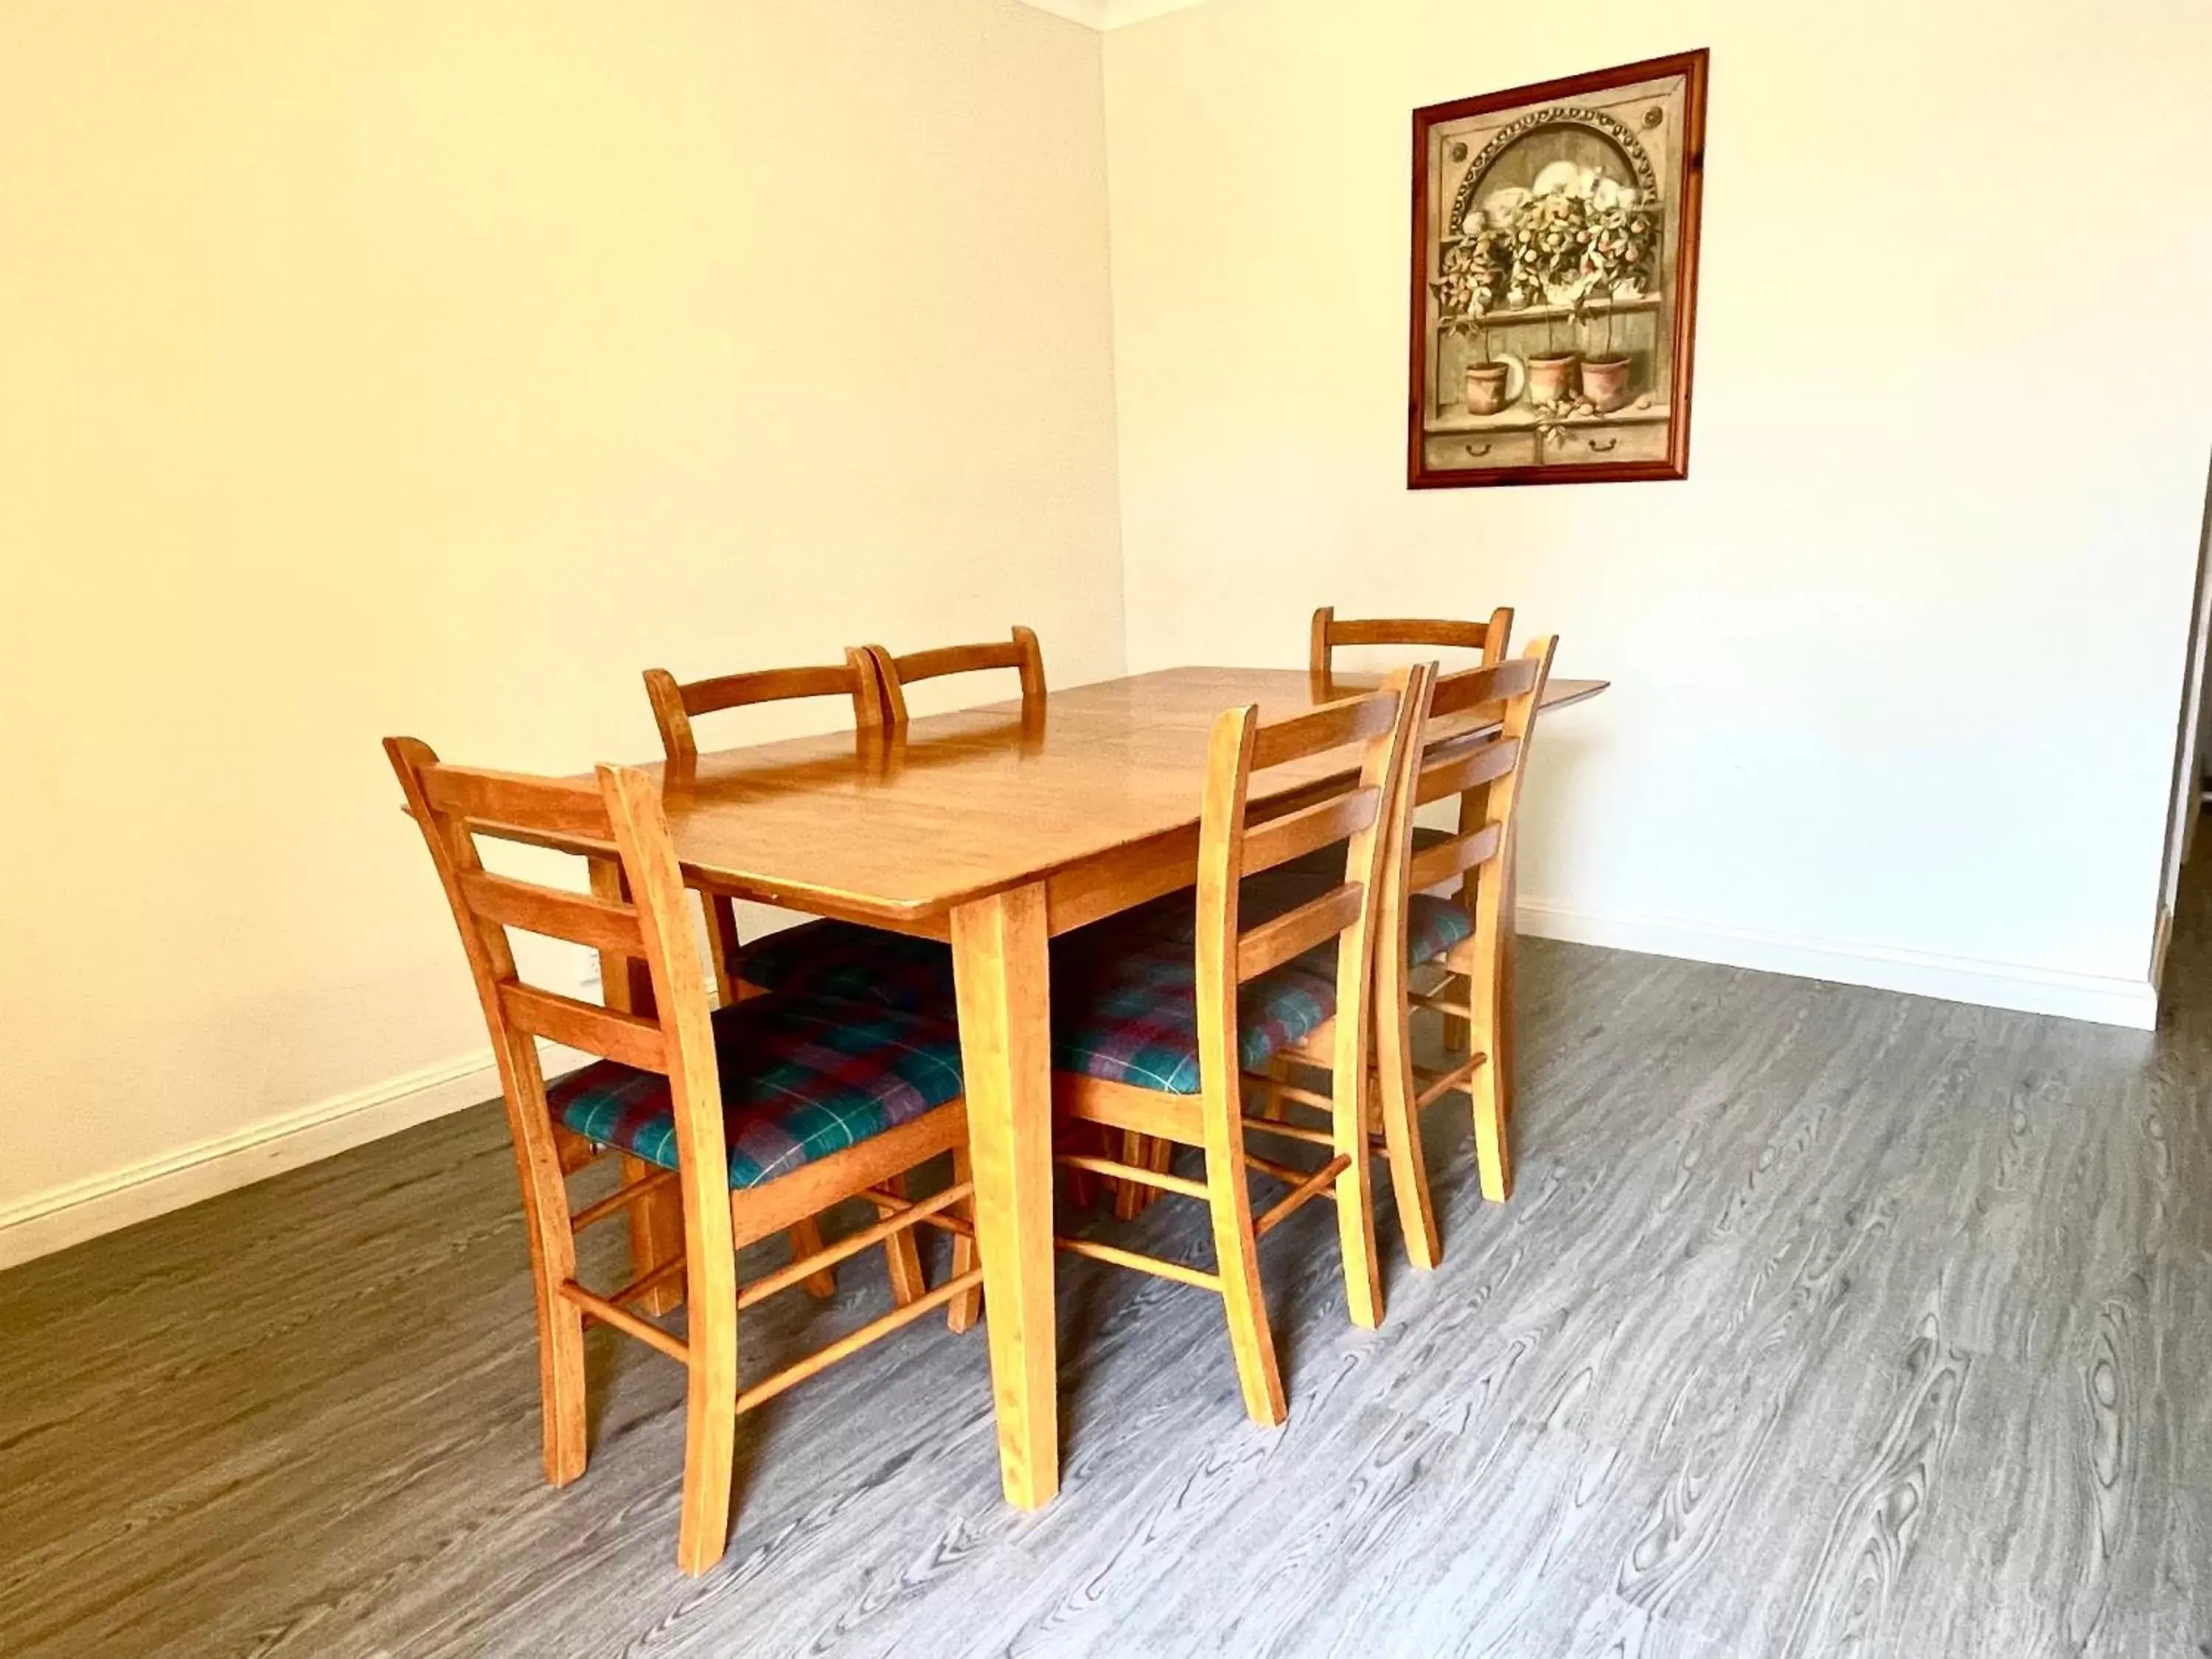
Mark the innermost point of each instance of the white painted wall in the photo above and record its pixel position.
(703, 334)
(1896, 667)
(377, 366)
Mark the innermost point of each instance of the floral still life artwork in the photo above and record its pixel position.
(1555, 268)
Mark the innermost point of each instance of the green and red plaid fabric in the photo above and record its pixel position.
(802, 1077)
(853, 964)
(1433, 926)
(1132, 1016)
(858, 964)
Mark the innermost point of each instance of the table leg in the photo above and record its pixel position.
(656, 1221)
(1000, 966)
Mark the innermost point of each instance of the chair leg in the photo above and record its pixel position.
(1355, 1200)
(1161, 1161)
(1080, 1187)
(903, 1258)
(723, 947)
(1237, 1251)
(656, 1223)
(1401, 1136)
(1493, 1154)
(962, 1311)
(805, 1239)
(1456, 1034)
(1493, 1157)
(563, 1439)
(710, 1431)
(1508, 996)
(1129, 1198)
(560, 1385)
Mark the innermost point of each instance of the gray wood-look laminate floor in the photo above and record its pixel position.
(1825, 1321)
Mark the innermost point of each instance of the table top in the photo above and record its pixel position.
(957, 807)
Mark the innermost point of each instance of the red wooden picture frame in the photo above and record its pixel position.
(1545, 104)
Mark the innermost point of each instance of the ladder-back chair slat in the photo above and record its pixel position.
(576, 917)
(1332, 727)
(1295, 931)
(1471, 687)
(711, 696)
(488, 799)
(1452, 858)
(675, 703)
(1447, 769)
(1490, 637)
(629, 1038)
(1308, 829)
(1020, 652)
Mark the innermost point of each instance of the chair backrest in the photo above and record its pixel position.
(1361, 814)
(617, 820)
(675, 704)
(1490, 637)
(1485, 772)
(1020, 654)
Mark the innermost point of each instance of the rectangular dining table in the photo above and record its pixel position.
(996, 828)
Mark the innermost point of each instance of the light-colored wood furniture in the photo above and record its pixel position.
(619, 815)
(1473, 865)
(1021, 654)
(1329, 631)
(996, 833)
(1491, 638)
(675, 703)
(1229, 957)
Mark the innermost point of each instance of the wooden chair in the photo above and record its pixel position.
(1158, 1039)
(1020, 654)
(1490, 637)
(750, 1140)
(674, 706)
(1464, 930)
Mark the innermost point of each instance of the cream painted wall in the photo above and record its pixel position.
(376, 365)
(1897, 666)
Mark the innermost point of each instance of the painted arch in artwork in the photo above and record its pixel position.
(1563, 132)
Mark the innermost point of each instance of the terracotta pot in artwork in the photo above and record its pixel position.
(1552, 378)
(1485, 388)
(1605, 383)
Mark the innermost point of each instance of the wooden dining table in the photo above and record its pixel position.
(995, 829)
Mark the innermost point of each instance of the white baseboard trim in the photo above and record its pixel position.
(2017, 986)
(70, 1214)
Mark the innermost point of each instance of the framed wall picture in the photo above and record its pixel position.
(1555, 279)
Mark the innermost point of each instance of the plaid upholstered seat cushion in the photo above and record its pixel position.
(1131, 1016)
(853, 964)
(859, 964)
(801, 1078)
(1433, 926)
